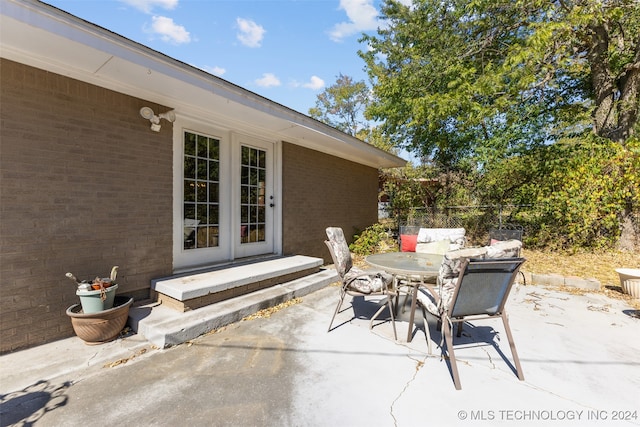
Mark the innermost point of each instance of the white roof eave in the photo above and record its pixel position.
(45, 37)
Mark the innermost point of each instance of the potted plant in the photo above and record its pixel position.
(101, 315)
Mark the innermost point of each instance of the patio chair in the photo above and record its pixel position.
(505, 232)
(356, 282)
(479, 292)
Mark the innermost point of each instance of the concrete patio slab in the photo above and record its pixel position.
(579, 355)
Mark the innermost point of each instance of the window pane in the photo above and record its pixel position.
(244, 195)
(201, 186)
(214, 149)
(213, 193)
(244, 178)
(203, 146)
(213, 214)
(190, 210)
(202, 237)
(201, 193)
(201, 214)
(190, 167)
(189, 191)
(252, 191)
(214, 171)
(202, 169)
(189, 144)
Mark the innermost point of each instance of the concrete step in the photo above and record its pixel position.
(188, 286)
(195, 290)
(165, 327)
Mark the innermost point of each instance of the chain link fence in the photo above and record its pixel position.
(478, 221)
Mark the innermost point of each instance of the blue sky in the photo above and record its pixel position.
(286, 50)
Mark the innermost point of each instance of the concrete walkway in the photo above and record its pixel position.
(580, 356)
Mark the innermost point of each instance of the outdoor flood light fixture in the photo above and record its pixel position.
(148, 114)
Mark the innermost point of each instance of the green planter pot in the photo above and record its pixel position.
(91, 301)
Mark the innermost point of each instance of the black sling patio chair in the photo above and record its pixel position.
(479, 292)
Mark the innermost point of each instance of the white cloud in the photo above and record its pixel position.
(363, 16)
(268, 80)
(147, 5)
(314, 83)
(216, 71)
(169, 31)
(250, 34)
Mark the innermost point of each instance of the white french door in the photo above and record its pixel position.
(254, 199)
(224, 205)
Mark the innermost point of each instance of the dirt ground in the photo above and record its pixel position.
(597, 265)
(600, 266)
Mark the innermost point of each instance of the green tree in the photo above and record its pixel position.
(342, 104)
(582, 192)
(492, 78)
(488, 88)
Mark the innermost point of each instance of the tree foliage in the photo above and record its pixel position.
(470, 82)
(530, 102)
(582, 193)
(342, 104)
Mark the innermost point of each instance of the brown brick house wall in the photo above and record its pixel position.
(320, 190)
(84, 185)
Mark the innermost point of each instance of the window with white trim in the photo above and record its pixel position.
(201, 200)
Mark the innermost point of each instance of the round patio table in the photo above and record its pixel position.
(417, 268)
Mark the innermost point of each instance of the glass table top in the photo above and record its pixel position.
(410, 263)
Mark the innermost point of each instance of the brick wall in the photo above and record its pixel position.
(84, 185)
(320, 190)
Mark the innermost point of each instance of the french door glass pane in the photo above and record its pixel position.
(252, 195)
(201, 199)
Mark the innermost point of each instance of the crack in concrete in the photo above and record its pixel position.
(419, 365)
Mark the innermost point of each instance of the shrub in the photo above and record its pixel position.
(373, 239)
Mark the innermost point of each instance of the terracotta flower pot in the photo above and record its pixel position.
(103, 326)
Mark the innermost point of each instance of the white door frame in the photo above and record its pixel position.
(230, 143)
(241, 250)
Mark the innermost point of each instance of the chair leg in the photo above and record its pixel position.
(393, 319)
(390, 304)
(395, 286)
(335, 313)
(514, 353)
(414, 299)
(448, 337)
(426, 329)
